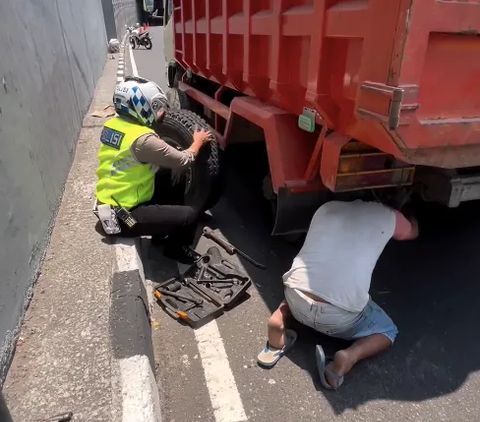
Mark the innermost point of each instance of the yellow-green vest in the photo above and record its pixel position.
(120, 175)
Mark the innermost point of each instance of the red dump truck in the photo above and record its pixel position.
(346, 94)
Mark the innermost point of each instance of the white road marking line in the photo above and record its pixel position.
(226, 402)
(132, 61)
(119, 80)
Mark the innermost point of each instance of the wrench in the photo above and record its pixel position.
(180, 296)
(210, 234)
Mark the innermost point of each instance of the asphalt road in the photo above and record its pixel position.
(430, 287)
(151, 63)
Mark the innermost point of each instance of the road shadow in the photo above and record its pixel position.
(429, 287)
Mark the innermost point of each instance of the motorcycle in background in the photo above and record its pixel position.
(139, 37)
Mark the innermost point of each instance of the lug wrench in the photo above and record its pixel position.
(229, 248)
(180, 296)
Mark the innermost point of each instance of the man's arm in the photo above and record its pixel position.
(151, 149)
(405, 229)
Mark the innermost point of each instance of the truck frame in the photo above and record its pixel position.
(347, 95)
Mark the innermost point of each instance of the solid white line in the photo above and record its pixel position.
(226, 402)
(140, 401)
(132, 61)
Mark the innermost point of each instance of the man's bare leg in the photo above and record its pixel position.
(344, 360)
(276, 326)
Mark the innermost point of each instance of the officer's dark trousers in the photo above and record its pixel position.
(165, 215)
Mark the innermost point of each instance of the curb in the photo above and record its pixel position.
(121, 60)
(131, 334)
(130, 324)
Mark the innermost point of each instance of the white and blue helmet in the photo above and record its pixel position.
(139, 99)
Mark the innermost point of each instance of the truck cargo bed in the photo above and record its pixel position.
(402, 76)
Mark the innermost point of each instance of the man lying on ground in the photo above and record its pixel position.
(328, 286)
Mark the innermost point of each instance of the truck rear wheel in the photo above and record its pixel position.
(177, 99)
(204, 182)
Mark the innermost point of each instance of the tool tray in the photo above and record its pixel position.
(204, 290)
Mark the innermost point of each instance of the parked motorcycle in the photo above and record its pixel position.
(138, 39)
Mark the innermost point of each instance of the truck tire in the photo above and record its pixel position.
(204, 183)
(174, 74)
(177, 99)
(171, 72)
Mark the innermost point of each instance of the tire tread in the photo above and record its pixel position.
(182, 123)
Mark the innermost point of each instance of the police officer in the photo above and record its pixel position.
(135, 172)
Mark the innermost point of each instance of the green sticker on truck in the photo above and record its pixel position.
(306, 121)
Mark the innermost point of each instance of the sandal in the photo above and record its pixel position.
(269, 356)
(323, 369)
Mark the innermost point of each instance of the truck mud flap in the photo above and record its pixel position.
(295, 210)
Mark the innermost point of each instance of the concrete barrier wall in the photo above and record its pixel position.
(127, 12)
(119, 14)
(51, 55)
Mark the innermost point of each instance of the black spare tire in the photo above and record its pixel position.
(204, 181)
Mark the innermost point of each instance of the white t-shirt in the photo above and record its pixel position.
(343, 244)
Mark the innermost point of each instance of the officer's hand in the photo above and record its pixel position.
(160, 116)
(201, 135)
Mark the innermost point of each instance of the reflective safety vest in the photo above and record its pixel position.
(120, 175)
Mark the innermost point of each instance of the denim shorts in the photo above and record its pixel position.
(336, 322)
